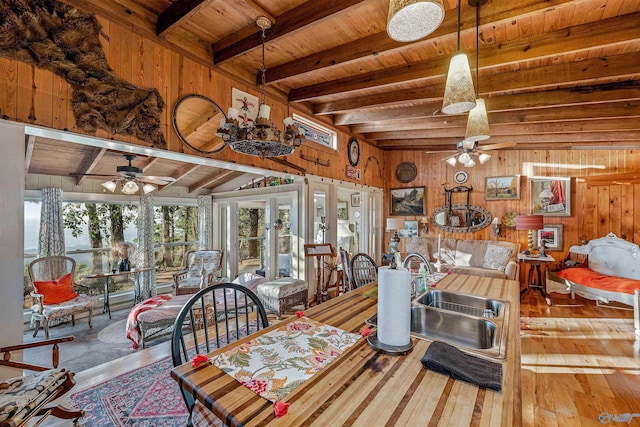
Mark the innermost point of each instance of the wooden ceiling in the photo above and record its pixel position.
(555, 74)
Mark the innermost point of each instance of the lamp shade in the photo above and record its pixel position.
(411, 20)
(464, 158)
(529, 222)
(496, 220)
(459, 95)
(395, 224)
(484, 158)
(110, 185)
(130, 187)
(477, 123)
(451, 161)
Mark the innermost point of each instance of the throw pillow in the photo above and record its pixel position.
(496, 257)
(56, 291)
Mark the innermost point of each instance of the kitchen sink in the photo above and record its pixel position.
(474, 324)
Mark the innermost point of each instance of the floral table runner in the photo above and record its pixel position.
(274, 364)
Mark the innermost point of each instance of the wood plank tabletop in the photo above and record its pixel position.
(364, 387)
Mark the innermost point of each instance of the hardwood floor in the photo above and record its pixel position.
(578, 362)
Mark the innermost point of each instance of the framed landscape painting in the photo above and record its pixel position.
(408, 201)
(502, 187)
(550, 196)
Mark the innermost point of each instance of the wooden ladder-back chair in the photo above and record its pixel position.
(363, 270)
(345, 259)
(28, 396)
(232, 311)
(54, 292)
(200, 269)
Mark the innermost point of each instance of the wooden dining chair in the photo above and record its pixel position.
(363, 270)
(345, 258)
(213, 317)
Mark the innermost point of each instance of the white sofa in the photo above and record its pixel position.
(473, 257)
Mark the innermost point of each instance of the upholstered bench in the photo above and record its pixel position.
(282, 294)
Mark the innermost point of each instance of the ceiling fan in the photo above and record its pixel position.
(130, 177)
(466, 150)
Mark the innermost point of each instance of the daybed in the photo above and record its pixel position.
(485, 258)
(611, 272)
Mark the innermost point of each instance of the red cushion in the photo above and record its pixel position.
(56, 291)
(593, 279)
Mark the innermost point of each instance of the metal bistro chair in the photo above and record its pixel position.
(213, 317)
(347, 283)
(54, 295)
(363, 270)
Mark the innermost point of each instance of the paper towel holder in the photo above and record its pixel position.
(389, 350)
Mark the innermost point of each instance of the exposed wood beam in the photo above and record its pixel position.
(210, 180)
(28, 152)
(90, 163)
(184, 170)
(146, 163)
(606, 33)
(311, 12)
(595, 94)
(177, 11)
(380, 43)
(446, 150)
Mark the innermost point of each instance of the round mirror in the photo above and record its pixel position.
(195, 120)
(461, 218)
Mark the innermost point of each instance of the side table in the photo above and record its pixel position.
(541, 266)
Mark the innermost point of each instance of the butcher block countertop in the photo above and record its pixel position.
(366, 388)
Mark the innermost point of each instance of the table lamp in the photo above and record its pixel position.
(394, 224)
(530, 223)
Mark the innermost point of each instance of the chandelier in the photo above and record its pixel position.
(261, 138)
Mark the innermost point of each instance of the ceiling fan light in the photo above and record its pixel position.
(411, 20)
(130, 187)
(459, 94)
(148, 188)
(470, 163)
(478, 123)
(110, 185)
(452, 161)
(464, 158)
(484, 158)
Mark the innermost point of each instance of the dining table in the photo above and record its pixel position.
(137, 295)
(363, 386)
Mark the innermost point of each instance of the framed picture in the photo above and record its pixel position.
(410, 229)
(550, 196)
(408, 201)
(502, 187)
(355, 200)
(343, 210)
(552, 236)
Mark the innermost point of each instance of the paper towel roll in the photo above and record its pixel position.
(394, 306)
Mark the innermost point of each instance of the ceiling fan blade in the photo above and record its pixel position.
(497, 146)
(441, 151)
(160, 180)
(94, 175)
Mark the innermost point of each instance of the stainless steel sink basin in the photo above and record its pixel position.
(461, 303)
(474, 324)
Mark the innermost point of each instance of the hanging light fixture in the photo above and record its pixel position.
(459, 96)
(262, 138)
(477, 122)
(411, 20)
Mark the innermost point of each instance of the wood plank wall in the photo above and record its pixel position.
(595, 210)
(31, 95)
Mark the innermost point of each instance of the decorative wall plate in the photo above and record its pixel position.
(406, 172)
(460, 177)
(509, 219)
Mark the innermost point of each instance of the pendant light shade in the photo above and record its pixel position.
(459, 95)
(477, 123)
(130, 187)
(411, 20)
(484, 158)
(451, 161)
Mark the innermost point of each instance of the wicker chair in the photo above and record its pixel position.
(54, 292)
(200, 269)
(363, 270)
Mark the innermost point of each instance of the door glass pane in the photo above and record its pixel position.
(251, 240)
(319, 217)
(284, 240)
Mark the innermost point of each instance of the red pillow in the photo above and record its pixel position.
(56, 291)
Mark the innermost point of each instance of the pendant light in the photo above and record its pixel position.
(411, 20)
(459, 96)
(478, 122)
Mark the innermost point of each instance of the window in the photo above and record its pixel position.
(317, 133)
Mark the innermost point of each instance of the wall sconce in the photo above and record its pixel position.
(425, 225)
(497, 226)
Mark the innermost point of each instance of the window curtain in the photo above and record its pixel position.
(205, 222)
(145, 255)
(51, 238)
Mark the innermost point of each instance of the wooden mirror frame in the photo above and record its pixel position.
(203, 127)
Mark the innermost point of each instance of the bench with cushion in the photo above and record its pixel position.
(281, 295)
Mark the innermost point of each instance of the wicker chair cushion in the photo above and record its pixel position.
(56, 291)
(281, 288)
(209, 260)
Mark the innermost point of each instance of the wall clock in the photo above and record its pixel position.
(354, 151)
(460, 177)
